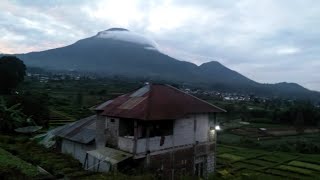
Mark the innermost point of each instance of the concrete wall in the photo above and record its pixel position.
(95, 165)
(79, 151)
(172, 164)
(112, 131)
(126, 144)
(100, 131)
(154, 144)
(210, 163)
(184, 129)
(183, 134)
(202, 131)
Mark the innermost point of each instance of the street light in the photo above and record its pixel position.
(217, 127)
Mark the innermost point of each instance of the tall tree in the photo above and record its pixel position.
(12, 72)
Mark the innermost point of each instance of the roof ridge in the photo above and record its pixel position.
(196, 98)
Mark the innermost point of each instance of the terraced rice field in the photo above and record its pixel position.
(58, 118)
(277, 165)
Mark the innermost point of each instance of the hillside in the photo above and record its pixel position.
(118, 51)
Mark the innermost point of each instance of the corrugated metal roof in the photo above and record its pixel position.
(140, 92)
(132, 102)
(78, 131)
(101, 106)
(157, 102)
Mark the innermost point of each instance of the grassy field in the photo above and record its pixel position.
(11, 165)
(233, 162)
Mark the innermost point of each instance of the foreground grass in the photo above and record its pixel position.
(11, 165)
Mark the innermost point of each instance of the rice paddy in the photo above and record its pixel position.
(239, 162)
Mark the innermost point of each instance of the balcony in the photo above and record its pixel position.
(155, 144)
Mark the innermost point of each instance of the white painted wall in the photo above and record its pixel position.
(93, 165)
(79, 151)
(202, 131)
(183, 134)
(154, 144)
(126, 144)
(183, 131)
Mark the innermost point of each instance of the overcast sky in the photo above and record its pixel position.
(266, 40)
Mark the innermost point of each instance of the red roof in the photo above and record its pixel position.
(156, 102)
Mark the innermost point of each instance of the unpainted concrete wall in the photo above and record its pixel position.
(112, 131)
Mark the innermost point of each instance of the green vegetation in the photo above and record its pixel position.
(230, 157)
(10, 117)
(72, 99)
(304, 165)
(11, 166)
(34, 106)
(259, 164)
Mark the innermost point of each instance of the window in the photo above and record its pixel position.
(112, 120)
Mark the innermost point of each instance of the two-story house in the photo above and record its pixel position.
(156, 128)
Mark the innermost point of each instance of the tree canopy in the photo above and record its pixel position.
(12, 72)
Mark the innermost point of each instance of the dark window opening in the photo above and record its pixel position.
(199, 169)
(126, 127)
(112, 120)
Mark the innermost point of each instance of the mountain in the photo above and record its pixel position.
(114, 52)
(118, 51)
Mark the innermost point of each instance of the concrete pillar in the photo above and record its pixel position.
(100, 131)
(135, 137)
(147, 150)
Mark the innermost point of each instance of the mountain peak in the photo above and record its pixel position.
(211, 63)
(122, 34)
